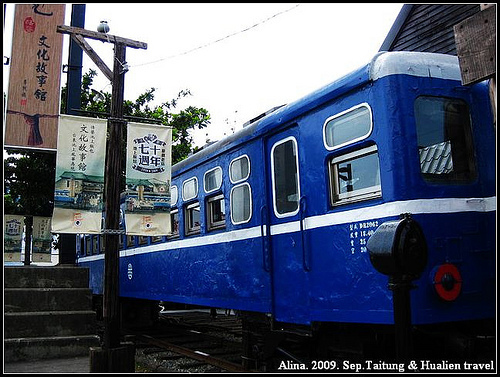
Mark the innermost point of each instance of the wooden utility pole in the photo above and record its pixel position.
(28, 222)
(112, 204)
(113, 357)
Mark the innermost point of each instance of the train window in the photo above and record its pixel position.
(143, 240)
(174, 223)
(285, 168)
(216, 212)
(174, 195)
(87, 245)
(130, 241)
(192, 218)
(239, 169)
(95, 245)
(190, 189)
(81, 245)
(347, 127)
(355, 176)
(101, 244)
(212, 180)
(444, 139)
(156, 239)
(241, 203)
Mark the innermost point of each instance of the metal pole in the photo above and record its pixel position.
(73, 100)
(28, 222)
(400, 288)
(67, 243)
(112, 203)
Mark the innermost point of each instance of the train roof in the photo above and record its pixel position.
(384, 64)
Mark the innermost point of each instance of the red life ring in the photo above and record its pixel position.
(448, 282)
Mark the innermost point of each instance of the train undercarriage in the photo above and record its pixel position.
(272, 346)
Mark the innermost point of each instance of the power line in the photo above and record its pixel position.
(218, 40)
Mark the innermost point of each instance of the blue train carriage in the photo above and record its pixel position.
(275, 219)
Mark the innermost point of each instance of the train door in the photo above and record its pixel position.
(284, 213)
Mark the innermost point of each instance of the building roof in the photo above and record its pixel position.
(81, 176)
(145, 182)
(427, 27)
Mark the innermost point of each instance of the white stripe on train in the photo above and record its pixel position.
(418, 206)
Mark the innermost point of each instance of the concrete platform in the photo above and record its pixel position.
(80, 364)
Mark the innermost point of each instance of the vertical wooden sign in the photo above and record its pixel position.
(35, 77)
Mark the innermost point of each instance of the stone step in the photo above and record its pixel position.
(47, 313)
(22, 349)
(46, 299)
(49, 323)
(45, 277)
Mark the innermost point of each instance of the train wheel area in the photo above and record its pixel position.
(167, 335)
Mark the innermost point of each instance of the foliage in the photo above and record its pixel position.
(26, 193)
(29, 176)
(97, 103)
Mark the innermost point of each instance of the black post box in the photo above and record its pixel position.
(398, 248)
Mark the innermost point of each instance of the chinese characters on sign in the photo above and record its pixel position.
(359, 233)
(149, 154)
(35, 78)
(79, 187)
(42, 239)
(13, 231)
(41, 68)
(78, 198)
(15, 239)
(82, 145)
(147, 196)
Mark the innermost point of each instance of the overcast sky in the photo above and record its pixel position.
(238, 60)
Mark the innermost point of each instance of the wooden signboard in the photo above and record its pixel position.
(35, 77)
(475, 39)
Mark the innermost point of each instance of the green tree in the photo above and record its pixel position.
(29, 183)
(98, 104)
(29, 176)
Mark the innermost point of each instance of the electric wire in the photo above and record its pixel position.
(216, 41)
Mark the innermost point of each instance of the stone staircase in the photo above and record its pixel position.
(47, 313)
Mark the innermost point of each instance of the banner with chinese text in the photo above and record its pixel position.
(35, 77)
(148, 174)
(79, 188)
(13, 234)
(42, 239)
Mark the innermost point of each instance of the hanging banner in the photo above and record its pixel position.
(13, 231)
(81, 152)
(42, 239)
(148, 174)
(35, 77)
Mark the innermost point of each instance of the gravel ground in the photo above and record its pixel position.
(162, 362)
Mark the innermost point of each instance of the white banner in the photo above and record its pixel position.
(13, 231)
(148, 174)
(81, 152)
(42, 239)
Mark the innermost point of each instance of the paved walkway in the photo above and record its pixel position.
(67, 365)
